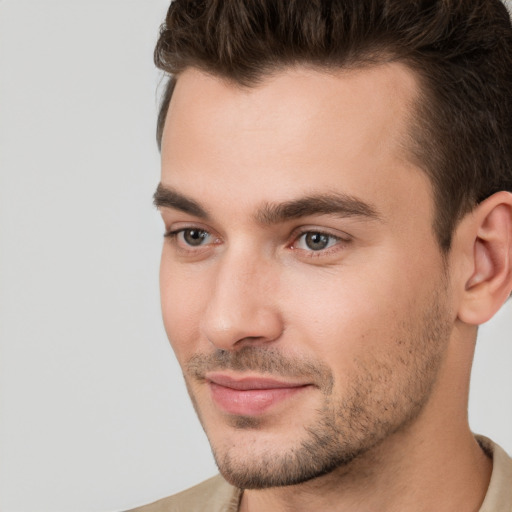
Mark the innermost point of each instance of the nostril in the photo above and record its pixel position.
(236, 330)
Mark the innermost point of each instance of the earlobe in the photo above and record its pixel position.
(490, 282)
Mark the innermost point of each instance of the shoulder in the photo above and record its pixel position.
(499, 493)
(212, 495)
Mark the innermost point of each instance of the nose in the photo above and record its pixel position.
(242, 308)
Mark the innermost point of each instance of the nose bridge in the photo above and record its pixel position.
(242, 307)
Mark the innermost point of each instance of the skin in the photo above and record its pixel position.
(370, 325)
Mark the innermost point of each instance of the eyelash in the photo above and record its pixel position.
(333, 242)
(185, 248)
(296, 236)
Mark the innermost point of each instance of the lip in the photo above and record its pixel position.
(250, 396)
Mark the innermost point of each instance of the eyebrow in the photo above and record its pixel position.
(342, 205)
(165, 197)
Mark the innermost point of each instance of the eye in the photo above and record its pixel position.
(191, 237)
(194, 237)
(315, 241)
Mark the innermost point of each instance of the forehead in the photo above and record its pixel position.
(382, 92)
(299, 128)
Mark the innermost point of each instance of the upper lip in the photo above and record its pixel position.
(246, 383)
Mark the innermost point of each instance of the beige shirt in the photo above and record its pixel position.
(216, 495)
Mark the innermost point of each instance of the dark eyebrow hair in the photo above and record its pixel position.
(273, 213)
(322, 204)
(165, 197)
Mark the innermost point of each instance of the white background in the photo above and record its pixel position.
(93, 412)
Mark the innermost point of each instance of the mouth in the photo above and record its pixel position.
(250, 396)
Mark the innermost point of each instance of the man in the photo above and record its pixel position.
(336, 193)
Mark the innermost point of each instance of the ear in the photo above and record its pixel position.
(488, 241)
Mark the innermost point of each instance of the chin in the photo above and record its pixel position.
(251, 459)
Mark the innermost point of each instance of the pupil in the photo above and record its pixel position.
(316, 241)
(194, 236)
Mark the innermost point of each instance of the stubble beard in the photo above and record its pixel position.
(384, 397)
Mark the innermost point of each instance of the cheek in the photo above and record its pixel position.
(343, 304)
(181, 301)
(345, 315)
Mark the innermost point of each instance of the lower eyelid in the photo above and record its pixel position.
(339, 245)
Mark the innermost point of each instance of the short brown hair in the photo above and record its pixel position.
(460, 49)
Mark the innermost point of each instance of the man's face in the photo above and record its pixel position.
(302, 288)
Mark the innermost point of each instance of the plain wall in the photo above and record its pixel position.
(94, 415)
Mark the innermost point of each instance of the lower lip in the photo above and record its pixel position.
(250, 402)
